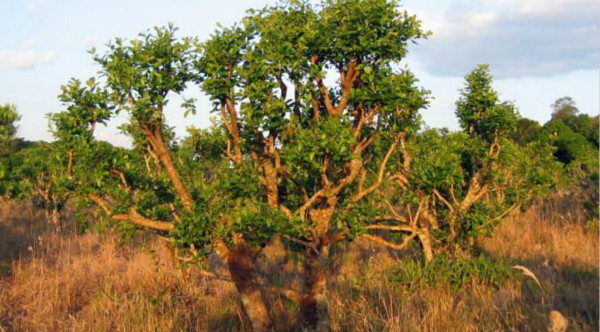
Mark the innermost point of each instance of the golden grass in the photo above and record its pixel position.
(94, 283)
(547, 232)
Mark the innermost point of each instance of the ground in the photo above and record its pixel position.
(66, 281)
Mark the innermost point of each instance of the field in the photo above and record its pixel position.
(65, 281)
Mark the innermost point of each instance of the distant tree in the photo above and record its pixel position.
(594, 131)
(575, 138)
(572, 148)
(8, 128)
(527, 131)
(564, 107)
(41, 177)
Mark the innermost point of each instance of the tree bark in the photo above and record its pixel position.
(70, 165)
(425, 239)
(314, 306)
(242, 270)
(156, 141)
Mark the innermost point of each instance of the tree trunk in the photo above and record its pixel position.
(55, 217)
(243, 273)
(425, 239)
(165, 157)
(314, 305)
(156, 142)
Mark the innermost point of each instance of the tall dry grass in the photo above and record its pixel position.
(93, 282)
(556, 230)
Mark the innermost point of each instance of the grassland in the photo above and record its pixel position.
(65, 281)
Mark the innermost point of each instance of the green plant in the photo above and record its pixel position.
(444, 271)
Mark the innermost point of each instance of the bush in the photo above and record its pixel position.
(443, 271)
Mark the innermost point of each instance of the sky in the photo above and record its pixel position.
(538, 50)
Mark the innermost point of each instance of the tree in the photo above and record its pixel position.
(8, 128)
(309, 146)
(564, 107)
(527, 131)
(296, 153)
(449, 187)
(42, 177)
(155, 185)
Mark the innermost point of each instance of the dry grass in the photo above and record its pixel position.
(94, 283)
(91, 283)
(550, 232)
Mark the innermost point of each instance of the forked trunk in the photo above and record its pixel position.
(314, 305)
(243, 273)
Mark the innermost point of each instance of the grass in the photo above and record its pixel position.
(94, 282)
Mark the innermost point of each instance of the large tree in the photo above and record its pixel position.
(307, 137)
(319, 120)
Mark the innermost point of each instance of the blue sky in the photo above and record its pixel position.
(539, 50)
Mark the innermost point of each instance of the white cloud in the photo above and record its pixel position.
(518, 38)
(26, 59)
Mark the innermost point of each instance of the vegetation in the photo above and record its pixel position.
(297, 155)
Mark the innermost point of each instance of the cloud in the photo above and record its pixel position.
(26, 59)
(517, 38)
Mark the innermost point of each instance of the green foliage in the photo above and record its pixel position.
(262, 77)
(143, 72)
(365, 30)
(478, 109)
(86, 106)
(571, 147)
(456, 273)
(8, 128)
(309, 146)
(563, 108)
(442, 160)
(527, 131)
(37, 173)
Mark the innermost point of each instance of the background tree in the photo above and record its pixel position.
(8, 128)
(40, 175)
(527, 131)
(30, 170)
(564, 107)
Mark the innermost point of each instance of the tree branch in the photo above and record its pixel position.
(448, 205)
(389, 244)
(391, 228)
(377, 183)
(133, 216)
